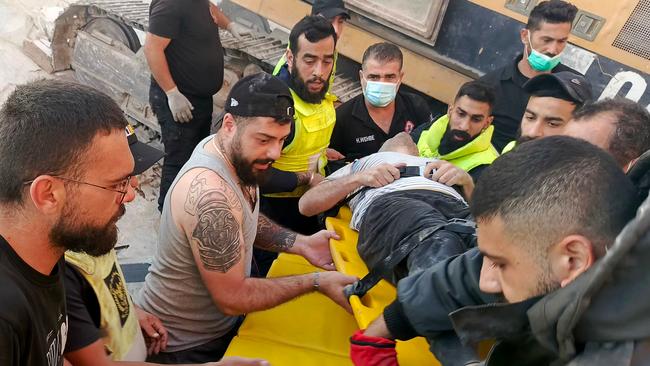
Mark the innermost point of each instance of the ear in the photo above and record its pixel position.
(228, 124)
(489, 121)
(449, 109)
(289, 55)
(47, 194)
(523, 35)
(571, 257)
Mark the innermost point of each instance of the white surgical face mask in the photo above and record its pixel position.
(380, 94)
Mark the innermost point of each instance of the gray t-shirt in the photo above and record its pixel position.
(360, 203)
(173, 289)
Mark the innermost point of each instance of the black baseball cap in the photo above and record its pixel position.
(329, 9)
(144, 155)
(260, 95)
(563, 85)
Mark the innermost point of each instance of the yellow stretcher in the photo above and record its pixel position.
(312, 329)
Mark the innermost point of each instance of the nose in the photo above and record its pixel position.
(130, 190)
(463, 124)
(555, 48)
(489, 280)
(318, 69)
(274, 152)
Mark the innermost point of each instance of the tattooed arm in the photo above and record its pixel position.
(210, 214)
(273, 237)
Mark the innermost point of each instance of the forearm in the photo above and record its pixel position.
(257, 294)
(273, 237)
(220, 18)
(327, 194)
(159, 68)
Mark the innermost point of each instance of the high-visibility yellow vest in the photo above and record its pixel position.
(119, 321)
(477, 152)
(511, 145)
(313, 128)
(283, 60)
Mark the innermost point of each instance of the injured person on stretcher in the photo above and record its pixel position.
(401, 205)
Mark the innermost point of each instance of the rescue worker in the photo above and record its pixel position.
(67, 173)
(332, 10)
(462, 136)
(553, 100)
(365, 122)
(544, 39)
(184, 54)
(619, 126)
(303, 159)
(199, 283)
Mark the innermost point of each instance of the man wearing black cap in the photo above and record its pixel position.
(67, 172)
(544, 38)
(199, 281)
(332, 10)
(553, 100)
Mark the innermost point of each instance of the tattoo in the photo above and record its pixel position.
(217, 230)
(271, 236)
(196, 188)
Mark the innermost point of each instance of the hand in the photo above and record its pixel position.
(316, 248)
(379, 175)
(315, 180)
(334, 155)
(331, 284)
(451, 175)
(180, 107)
(239, 361)
(237, 30)
(155, 334)
(366, 350)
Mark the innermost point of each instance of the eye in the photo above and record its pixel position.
(263, 141)
(529, 117)
(477, 119)
(555, 124)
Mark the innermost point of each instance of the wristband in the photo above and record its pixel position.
(316, 281)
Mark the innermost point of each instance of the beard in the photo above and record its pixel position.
(545, 284)
(299, 86)
(453, 140)
(96, 241)
(244, 168)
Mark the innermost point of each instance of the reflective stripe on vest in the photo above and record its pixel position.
(119, 321)
(477, 152)
(313, 128)
(511, 145)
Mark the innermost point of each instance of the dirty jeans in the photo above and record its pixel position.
(179, 139)
(394, 216)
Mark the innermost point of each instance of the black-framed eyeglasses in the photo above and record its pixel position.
(122, 187)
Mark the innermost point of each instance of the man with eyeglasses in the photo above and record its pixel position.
(67, 172)
(365, 122)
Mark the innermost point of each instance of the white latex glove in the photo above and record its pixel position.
(237, 30)
(180, 107)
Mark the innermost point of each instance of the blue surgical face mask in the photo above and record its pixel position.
(380, 94)
(539, 61)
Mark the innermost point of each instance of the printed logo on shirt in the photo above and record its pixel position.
(118, 290)
(361, 140)
(408, 126)
(56, 340)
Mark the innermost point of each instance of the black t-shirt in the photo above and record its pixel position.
(194, 55)
(511, 100)
(84, 315)
(356, 135)
(33, 321)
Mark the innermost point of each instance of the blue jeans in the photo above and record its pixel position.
(179, 139)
